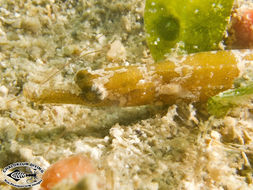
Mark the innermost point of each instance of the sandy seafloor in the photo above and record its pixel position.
(148, 147)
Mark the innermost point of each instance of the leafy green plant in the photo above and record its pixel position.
(220, 104)
(185, 26)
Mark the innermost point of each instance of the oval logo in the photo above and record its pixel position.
(23, 174)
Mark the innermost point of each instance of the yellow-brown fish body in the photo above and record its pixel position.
(192, 78)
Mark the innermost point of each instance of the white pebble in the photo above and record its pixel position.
(117, 52)
(3, 91)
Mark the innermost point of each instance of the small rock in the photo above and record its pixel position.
(31, 24)
(126, 23)
(3, 91)
(117, 52)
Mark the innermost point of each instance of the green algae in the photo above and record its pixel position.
(220, 104)
(185, 26)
